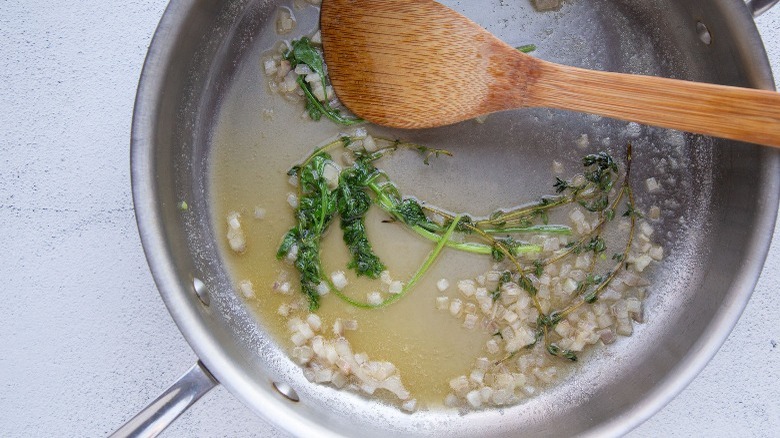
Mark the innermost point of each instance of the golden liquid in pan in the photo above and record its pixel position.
(251, 155)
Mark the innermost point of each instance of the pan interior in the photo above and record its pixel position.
(711, 197)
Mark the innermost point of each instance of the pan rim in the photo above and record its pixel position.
(217, 359)
(172, 290)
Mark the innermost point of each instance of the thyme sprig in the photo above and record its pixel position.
(602, 175)
(363, 185)
(317, 205)
(303, 51)
(426, 265)
(589, 291)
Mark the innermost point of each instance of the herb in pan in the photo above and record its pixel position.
(500, 236)
(304, 52)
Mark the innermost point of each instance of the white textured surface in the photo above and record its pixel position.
(85, 340)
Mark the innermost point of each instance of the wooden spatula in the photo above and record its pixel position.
(419, 64)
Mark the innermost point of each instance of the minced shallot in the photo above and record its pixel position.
(330, 360)
(517, 366)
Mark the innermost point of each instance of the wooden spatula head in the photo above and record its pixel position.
(417, 63)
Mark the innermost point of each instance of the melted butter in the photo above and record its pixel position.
(259, 135)
(249, 164)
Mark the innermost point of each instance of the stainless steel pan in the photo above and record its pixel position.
(720, 202)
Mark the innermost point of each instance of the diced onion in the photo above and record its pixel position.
(339, 280)
(474, 398)
(374, 298)
(442, 303)
(396, 287)
(467, 287)
(456, 306)
(386, 278)
(470, 322)
(246, 289)
(652, 185)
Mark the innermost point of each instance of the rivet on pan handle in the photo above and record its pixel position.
(758, 7)
(185, 391)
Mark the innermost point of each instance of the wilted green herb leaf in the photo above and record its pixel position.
(528, 48)
(303, 52)
(596, 205)
(509, 244)
(561, 185)
(496, 216)
(313, 110)
(497, 254)
(557, 351)
(568, 354)
(288, 241)
(630, 211)
(538, 336)
(353, 204)
(316, 208)
(429, 153)
(316, 109)
(601, 170)
(538, 268)
(552, 319)
(597, 245)
(411, 212)
(528, 285)
(364, 261)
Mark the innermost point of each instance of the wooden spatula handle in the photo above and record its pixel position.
(717, 110)
(419, 64)
(721, 111)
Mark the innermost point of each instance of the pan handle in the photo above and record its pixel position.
(185, 391)
(758, 7)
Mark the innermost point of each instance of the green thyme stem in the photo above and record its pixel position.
(527, 48)
(538, 229)
(390, 200)
(429, 261)
(325, 108)
(567, 252)
(346, 299)
(472, 247)
(508, 254)
(530, 211)
(427, 265)
(629, 193)
(387, 204)
(615, 271)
